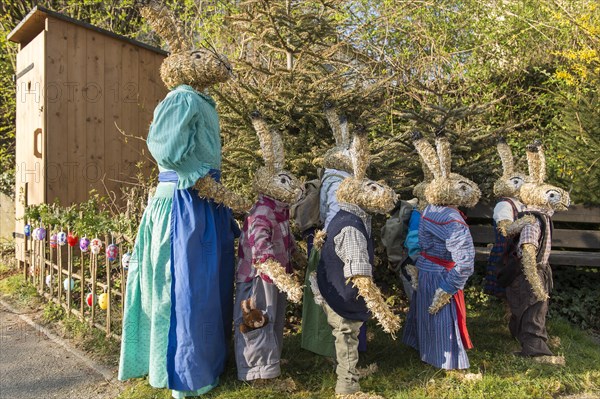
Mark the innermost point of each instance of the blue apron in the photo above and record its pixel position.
(202, 272)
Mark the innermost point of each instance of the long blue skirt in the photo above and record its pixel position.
(202, 269)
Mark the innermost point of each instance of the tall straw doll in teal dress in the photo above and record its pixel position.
(179, 298)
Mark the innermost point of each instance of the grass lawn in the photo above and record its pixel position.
(400, 372)
(402, 375)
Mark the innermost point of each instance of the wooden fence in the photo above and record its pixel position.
(50, 266)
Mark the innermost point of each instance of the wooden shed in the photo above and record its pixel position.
(76, 86)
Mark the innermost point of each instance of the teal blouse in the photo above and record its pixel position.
(184, 135)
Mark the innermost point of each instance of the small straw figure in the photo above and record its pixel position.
(527, 295)
(316, 331)
(344, 274)
(506, 222)
(264, 273)
(438, 331)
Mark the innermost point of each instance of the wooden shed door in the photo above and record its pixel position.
(30, 131)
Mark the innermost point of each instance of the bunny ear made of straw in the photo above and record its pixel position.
(360, 153)
(271, 144)
(427, 153)
(536, 161)
(427, 175)
(338, 124)
(443, 150)
(506, 156)
(162, 22)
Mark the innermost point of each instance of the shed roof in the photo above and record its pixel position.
(34, 23)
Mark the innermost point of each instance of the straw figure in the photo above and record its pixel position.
(316, 332)
(266, 251)
(168, 304)
(436, 322)
(503, 260)
(527, 295)
(345, 285)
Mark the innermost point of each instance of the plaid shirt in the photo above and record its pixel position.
(351, 245)
(265, 235)
(531, 235)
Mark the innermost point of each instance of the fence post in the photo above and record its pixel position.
(59, 271)
(69, 272)
(26, 268)
(93, 267)
(40, 248)
(51, 271)
(123, 281)
(108, 289)
(42, 278)
(82, 285)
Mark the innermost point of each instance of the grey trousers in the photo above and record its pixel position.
(528, 315)
(345, 332)
(258, 352)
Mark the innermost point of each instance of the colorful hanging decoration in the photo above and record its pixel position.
(53, 240)
(67, 286)
(103, 301)
(48, 280)
(125, 260)
(72, 239)
(112, 252)
(84, 244)
(35, 233)
(96, 246)
(41, 233)
(61, 238)
(27, 230)
(90, 300)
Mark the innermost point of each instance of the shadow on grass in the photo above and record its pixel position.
(402, 375)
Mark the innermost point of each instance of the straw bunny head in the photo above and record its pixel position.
(339, 156)
(272, 179)
(446, 188)
(534, 192)
(510, 182)
(367, 194)
(198, 68)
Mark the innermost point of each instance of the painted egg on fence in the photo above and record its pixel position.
(27, 230)
(66, 284)
(53, 240)
(48, 280)
(84, 244)
(103, 301)
(125, 260)
(112, 251)
(95, 246)
(72, 240)
(61, 238)
(90, 300)
(41, 233)
(35, 233)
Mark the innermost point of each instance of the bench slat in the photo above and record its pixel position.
(588, 239)
(567, 258)
(575, 214)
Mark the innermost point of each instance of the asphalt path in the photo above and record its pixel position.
(35, 364)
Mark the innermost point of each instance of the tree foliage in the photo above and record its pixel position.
(480, 69)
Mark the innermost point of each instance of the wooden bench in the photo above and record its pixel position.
(575, 242)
